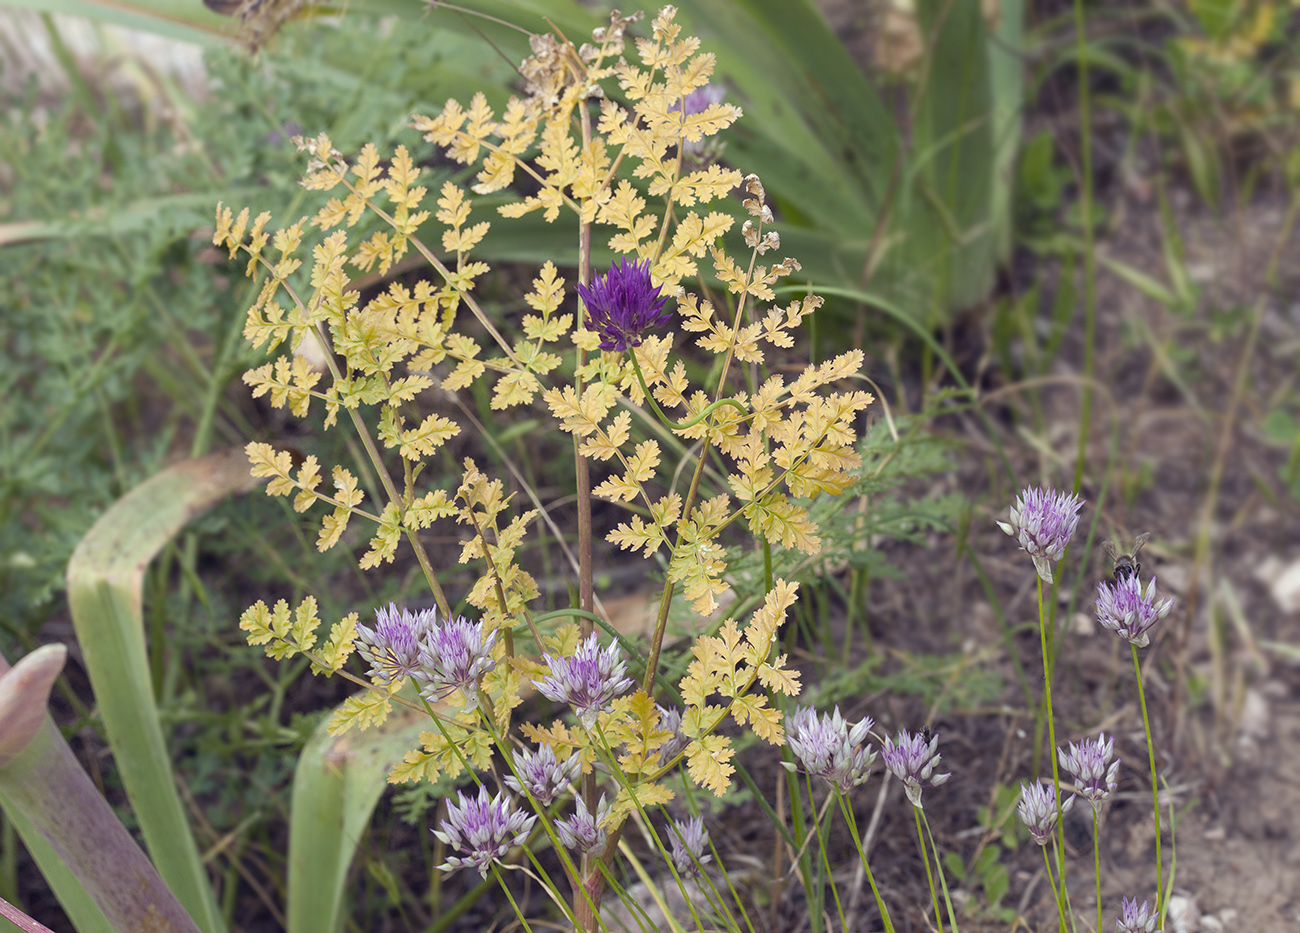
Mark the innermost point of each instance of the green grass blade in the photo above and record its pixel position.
(336, 785)
(105, 579)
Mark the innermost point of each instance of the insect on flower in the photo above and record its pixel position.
(1126, 563)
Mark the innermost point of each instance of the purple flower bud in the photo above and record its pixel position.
(587, 681)
(393, 646)
(913, 760)
(1043, 521)
(544, 776)
(829, 748)
(1123, 608)
(483, 828)
(1134, 919)
(689, 844)
(623, 304)
(1037, 809)
(700, 99)
(1090, 764)
(583, 832)
(670, 720)
(455, 656)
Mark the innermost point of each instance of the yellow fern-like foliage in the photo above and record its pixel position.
(602, 141)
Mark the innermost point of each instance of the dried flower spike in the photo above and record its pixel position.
(588, 680)
(1134, 919)
(1123, 608)
(828, 748)
(689, 844)
(1043, 521)
(1037, 809)
(455, 655)
(544, 777)
(393, 646)
(913, 760)
(1090, 764)
(623, 304)
(484, 828)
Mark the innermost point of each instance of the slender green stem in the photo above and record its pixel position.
(1155, 786)
(1051, 732)
(857, 842)
(1096, 863)
(690, 422)
(496, 873)
(929, 876)
(1056, 889)
(938, 866)
(1089, 252)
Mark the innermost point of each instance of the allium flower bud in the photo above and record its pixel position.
(670, 720)
(393, 646)
(1134, 919)
(455, 656)
(583, 832)
(913, 759)
(544, 776)
(1043, 521)
(1037, 809)
(1090, 764)
(1123, 608)
(829, 748)
(483, 828)
(588, 681)
(623, 304)
(689, 844)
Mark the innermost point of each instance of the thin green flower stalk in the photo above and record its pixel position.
(1043, 521)
(1155, 781)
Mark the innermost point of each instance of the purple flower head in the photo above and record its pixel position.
(583, 832)
(455, 656)
(623, 304)
(700, 99)
(1123, 608)
(689, 844)
(1135, 919)
(544, 776)
(483, 828)
(393, 646)
(1037, 809)
(1090, 764)
(1043, 521)
(588, 680)
(913, 759)
(829, 748)
(670, 720)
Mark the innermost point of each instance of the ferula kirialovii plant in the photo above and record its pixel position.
(608, 145)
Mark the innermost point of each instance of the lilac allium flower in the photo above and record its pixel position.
(544, 776)
(829, 747)
(583, 832)
(700, 99)
(1134, 919)
(393, 646)
(623, 304)
(1043, 521)
(483, 828)
(913, 759)
(1090, 764)
(1123, 608)
(689, 844)
(670, 719)
(1037, 809)
(455, 656)
(588, 680)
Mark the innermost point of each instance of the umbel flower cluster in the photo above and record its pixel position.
(622, 147)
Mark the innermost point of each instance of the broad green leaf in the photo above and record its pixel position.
(105, 578)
